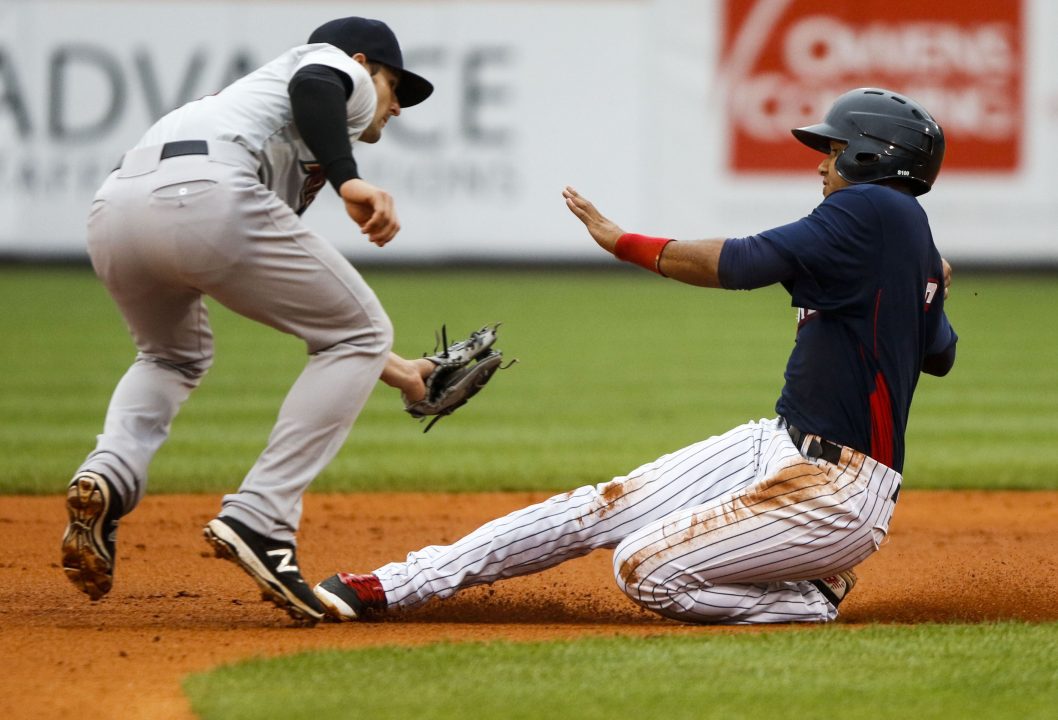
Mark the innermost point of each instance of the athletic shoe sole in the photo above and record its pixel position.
(337, 609)
(86, 560)
(227, 545)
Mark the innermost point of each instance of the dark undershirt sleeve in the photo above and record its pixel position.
(318, 94)
(940, 356)
(751, 262)
(939, 363)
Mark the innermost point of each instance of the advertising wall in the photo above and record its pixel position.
(673, 115)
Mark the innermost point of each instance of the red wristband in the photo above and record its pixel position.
(642, 250)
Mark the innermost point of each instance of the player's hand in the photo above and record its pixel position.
(947, 276)
(372, 209)
(605, 231)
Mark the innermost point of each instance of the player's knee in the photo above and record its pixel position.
(197, 370)
(639, 576)
(644, 591)
(376, 338)
(630, 572)
(192, 371)
(385, 333)
(373, 338)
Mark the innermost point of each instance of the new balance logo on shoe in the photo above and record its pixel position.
(285, 556)
(836, 587)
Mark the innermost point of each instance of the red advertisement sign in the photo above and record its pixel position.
(785, 61)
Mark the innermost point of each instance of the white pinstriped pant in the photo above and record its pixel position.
(728, 530)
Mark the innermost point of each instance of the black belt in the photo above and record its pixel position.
(184, 147)
(178, 148)
(817, 448)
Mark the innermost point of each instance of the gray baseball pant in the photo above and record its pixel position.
(164, 232)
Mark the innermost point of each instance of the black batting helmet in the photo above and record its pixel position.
(889, 136)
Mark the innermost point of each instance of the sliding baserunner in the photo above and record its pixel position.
(766, 522)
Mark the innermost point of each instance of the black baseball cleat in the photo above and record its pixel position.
(89, 542)
(351, 597)
(836, 587)
(273, 566)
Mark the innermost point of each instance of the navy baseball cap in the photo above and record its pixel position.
(375, 40)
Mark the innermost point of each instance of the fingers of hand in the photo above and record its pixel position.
(382, 206)
(576, 209)
(579, 206)
(572, 196)
(383, 232)
(384, 236)
(603, 230)
(383, 224)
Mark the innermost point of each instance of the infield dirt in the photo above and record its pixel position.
(174, 609)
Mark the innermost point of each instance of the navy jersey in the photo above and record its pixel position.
(869, 287)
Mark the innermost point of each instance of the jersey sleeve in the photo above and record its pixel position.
(939, 364)
(752, 262)
(940, 348)
(318, 95)
(360, 105)
(943, 338)
(834, 252)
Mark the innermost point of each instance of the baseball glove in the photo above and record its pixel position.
(462, 370)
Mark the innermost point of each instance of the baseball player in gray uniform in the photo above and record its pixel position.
(208, 203)
(765, 522)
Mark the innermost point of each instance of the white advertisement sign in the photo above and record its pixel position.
(672, 115)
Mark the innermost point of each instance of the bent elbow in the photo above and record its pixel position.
(941, 363)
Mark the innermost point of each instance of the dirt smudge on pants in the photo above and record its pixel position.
(796, 484)
(614, 495)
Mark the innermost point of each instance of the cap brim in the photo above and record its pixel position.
(818, 136)
(412, 89)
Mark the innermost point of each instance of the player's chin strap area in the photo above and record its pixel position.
(815, 447)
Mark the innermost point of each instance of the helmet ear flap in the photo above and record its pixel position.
(859, 166)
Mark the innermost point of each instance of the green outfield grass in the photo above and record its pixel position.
(616, 368)
(925, 672)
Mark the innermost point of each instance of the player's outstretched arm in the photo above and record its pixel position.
(372, 209)
(694, 262)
